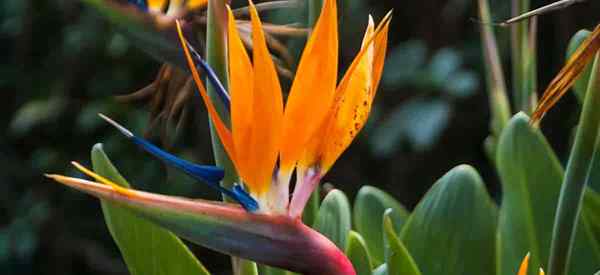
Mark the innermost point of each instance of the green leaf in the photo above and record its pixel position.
(153, 33)
(398, 259)
(333, 220)
(381, 270)
(531, 176)
(452, 230)
(356, 250)
(581, 84)
(147, 248)
(267, 270)
(369, 207)
(309, 216)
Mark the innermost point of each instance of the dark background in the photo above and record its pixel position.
(61, 64)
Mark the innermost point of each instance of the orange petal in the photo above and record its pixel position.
(96, 177)
(313, 88)
(222, 131)
(267, 112)
(568, 75)
(156, 5)
(524, 265)
(353, 101)
(193, 4)
(241, 88)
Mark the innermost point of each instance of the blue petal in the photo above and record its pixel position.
(212, 77)
(209, 174)
(141, 4)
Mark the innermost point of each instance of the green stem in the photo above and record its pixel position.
(216, 57)
(496, 83)
(571, 193)
(523, 60)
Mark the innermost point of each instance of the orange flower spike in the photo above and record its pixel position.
(542, 272)
(524, 265)
(353, 100)
(267, 111)
(313, 88)
(193, 4)
(222, 130)
(156, 5)
(241, 91)
(568, 75)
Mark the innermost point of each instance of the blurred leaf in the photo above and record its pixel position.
(333, 219)
(403, 63)
(462, 84)
(581, 84)
(36, 112)
(443, 64)
(531, 176)
(147, 248)
(421, 121)
(152, 33)
(398, 259)
(452, 230)
(356, 250)
(369, 206)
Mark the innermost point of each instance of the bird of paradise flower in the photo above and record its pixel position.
(267, 142)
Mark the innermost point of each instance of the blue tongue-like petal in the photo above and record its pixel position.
(212, 77)
(212, 175)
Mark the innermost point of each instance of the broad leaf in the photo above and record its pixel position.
(531, 176)
(369, 207)
(333, 219)
(398, 260)
(356, 250)
(142, 243)
(452, 230)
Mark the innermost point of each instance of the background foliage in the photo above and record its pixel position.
(62, 64)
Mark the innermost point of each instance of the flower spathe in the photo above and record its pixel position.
(267, 141)
(525, 265)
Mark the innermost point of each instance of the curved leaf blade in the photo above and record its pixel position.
(356, 250)
(531, 176)
(333, 219)
(369, 206)
(398, 259)
(452, 230)
(141, 242)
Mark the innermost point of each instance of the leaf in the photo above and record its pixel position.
(309, 215)
(356, 250)
(369, 207)
(146, 248)
(452, 230)
(420, 121)
(381, 270)
(333, 219)
(153, 33)
(581, 83)
(398, 260)
(531, 176)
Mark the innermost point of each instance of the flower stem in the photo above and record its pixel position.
(523, 59)
(571, 193)
(216, 57)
